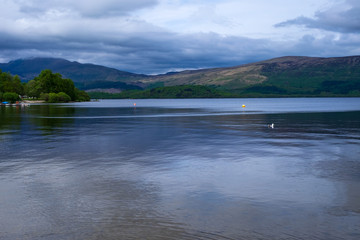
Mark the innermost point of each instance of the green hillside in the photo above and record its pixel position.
(285, 76)
(314, 75)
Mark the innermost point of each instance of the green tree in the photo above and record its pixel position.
(67, 86)
(9, 83)
(33, 89)
(5, 82)
(44, 96)
(81, 95)
(11, 97)
(48, 82)
(53, 98)
(17, 85)
(40, 87)
(63, 97)
(56, 97)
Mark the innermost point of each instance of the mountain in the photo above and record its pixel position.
(85, 76)
(284, 76)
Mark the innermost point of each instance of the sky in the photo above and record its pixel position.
(159, 36)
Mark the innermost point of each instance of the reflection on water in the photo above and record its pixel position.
(181, 169)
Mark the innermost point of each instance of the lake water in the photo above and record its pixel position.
(181, 169)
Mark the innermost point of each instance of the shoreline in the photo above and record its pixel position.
(33, 101)
(22, 103)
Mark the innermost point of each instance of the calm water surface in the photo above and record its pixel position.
(181, 169)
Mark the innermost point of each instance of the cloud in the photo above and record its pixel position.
(85, 8)
(343, 18)
(158, 51)
(142, 52)
(120, 34)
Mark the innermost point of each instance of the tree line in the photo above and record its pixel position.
(48, 86)
(182, 91)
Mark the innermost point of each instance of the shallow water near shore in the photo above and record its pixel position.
(181, 169)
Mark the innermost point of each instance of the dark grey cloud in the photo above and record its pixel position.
(154, 52)
(162, 51)
(344, 19)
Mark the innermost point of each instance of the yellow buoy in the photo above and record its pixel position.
(243, 105)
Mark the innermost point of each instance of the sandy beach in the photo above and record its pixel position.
(33, 101)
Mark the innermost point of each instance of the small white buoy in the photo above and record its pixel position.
(271, 125)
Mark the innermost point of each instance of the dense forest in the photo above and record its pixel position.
(48, 86)
(259, 91)
(183, 91)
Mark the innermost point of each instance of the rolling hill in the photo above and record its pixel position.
(284, 76)
(85, 76)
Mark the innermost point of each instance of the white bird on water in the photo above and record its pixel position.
(271, 125)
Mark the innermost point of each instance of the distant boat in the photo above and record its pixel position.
(271, 125)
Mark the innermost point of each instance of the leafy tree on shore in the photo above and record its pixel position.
(48, 82)
(10, 97)
(81, 95)
(57, 97)
(33, 89)
(53, 88)
(9, 83)
(48, 86)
